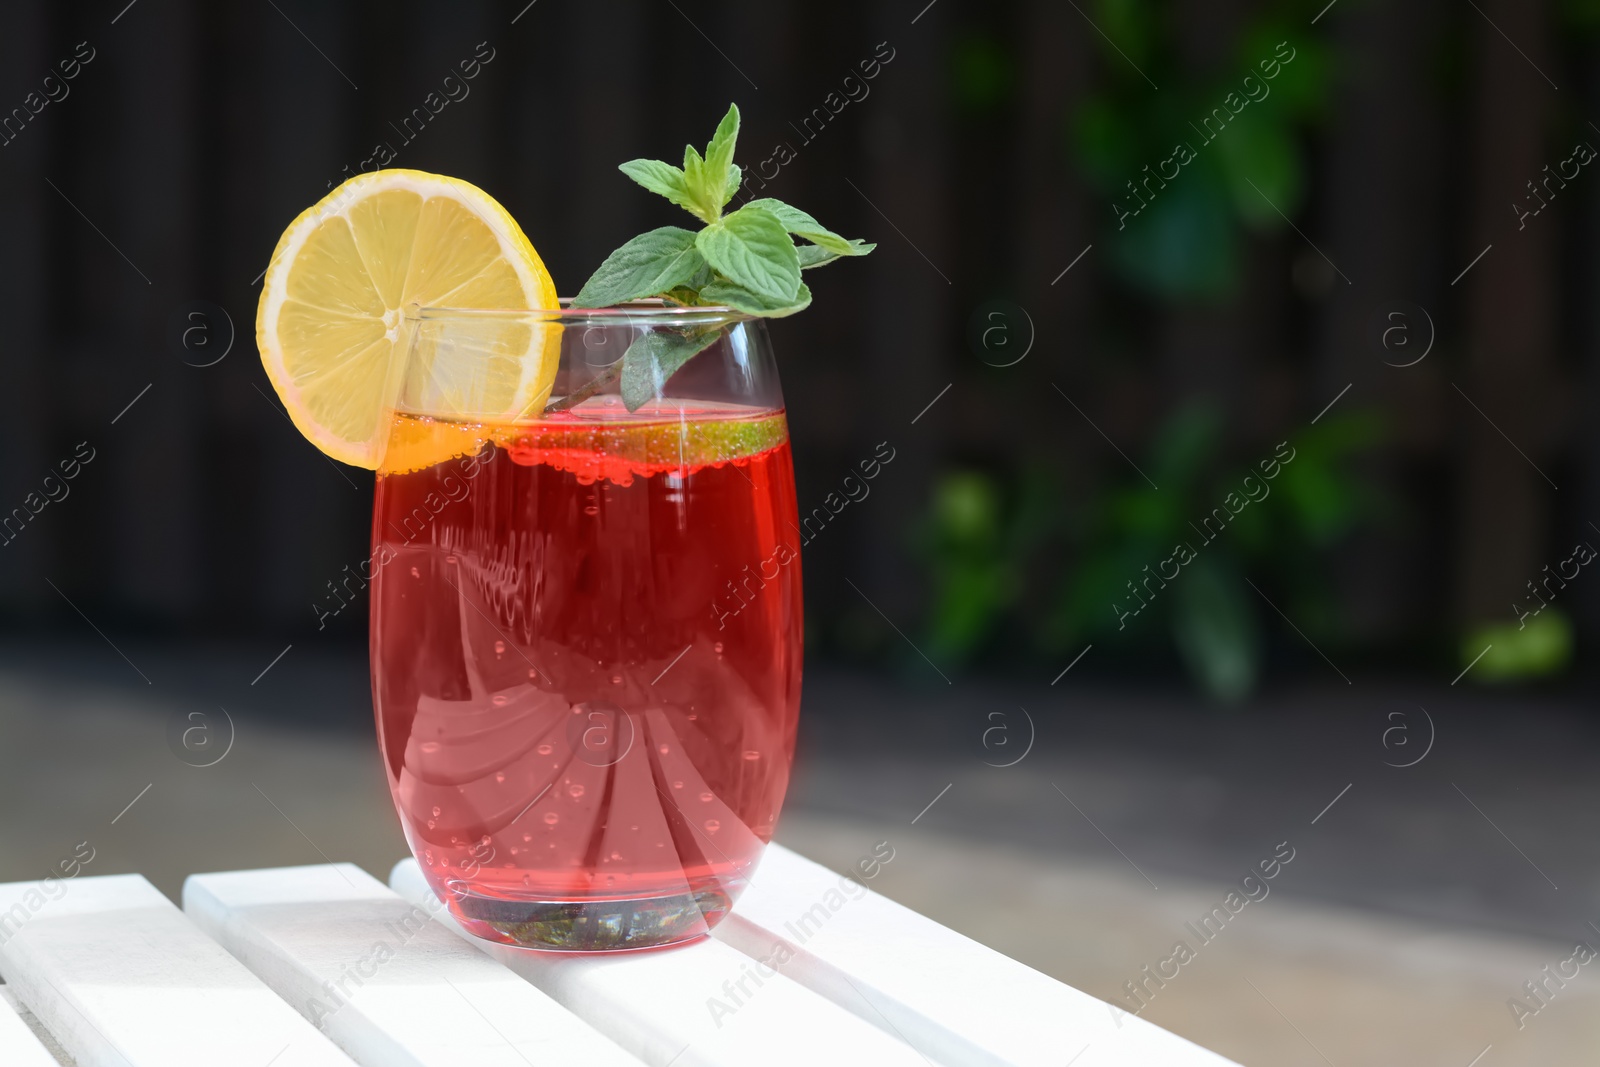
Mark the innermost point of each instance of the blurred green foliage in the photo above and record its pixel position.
(1014, 555)
(1540, 648)
(1010, 563)
(1185, 243)
(976, 544)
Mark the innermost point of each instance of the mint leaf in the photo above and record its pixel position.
(814, 256)
(688, 294)
(661, 178)
(741, 299)
(720, 174)
(654, 358)
(801, 224)
(752, 249)
(719, 152)
(650, 264)
(702, 196)
(817, 256)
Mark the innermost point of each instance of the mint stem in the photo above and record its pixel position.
(593, 386)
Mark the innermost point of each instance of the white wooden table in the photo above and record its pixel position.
(326, 965)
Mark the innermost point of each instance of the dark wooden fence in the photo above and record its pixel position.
(153, 184)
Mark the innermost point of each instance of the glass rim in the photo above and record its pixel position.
(651, 312)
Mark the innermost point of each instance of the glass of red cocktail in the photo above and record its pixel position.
(586, 626)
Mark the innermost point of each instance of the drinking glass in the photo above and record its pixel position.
(586, 626)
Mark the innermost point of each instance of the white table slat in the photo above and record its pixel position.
(659, 1004)
(18, 1046)
(958, 1001)
(386, 983)
(121, 978)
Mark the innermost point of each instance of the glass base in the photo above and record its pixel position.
(592, 925)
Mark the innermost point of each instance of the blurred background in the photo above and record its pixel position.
(1303, 287)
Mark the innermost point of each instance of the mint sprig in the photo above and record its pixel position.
(747, 259)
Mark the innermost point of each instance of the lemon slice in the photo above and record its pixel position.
(332, 325)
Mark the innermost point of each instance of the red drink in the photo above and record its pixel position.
(586, 651)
